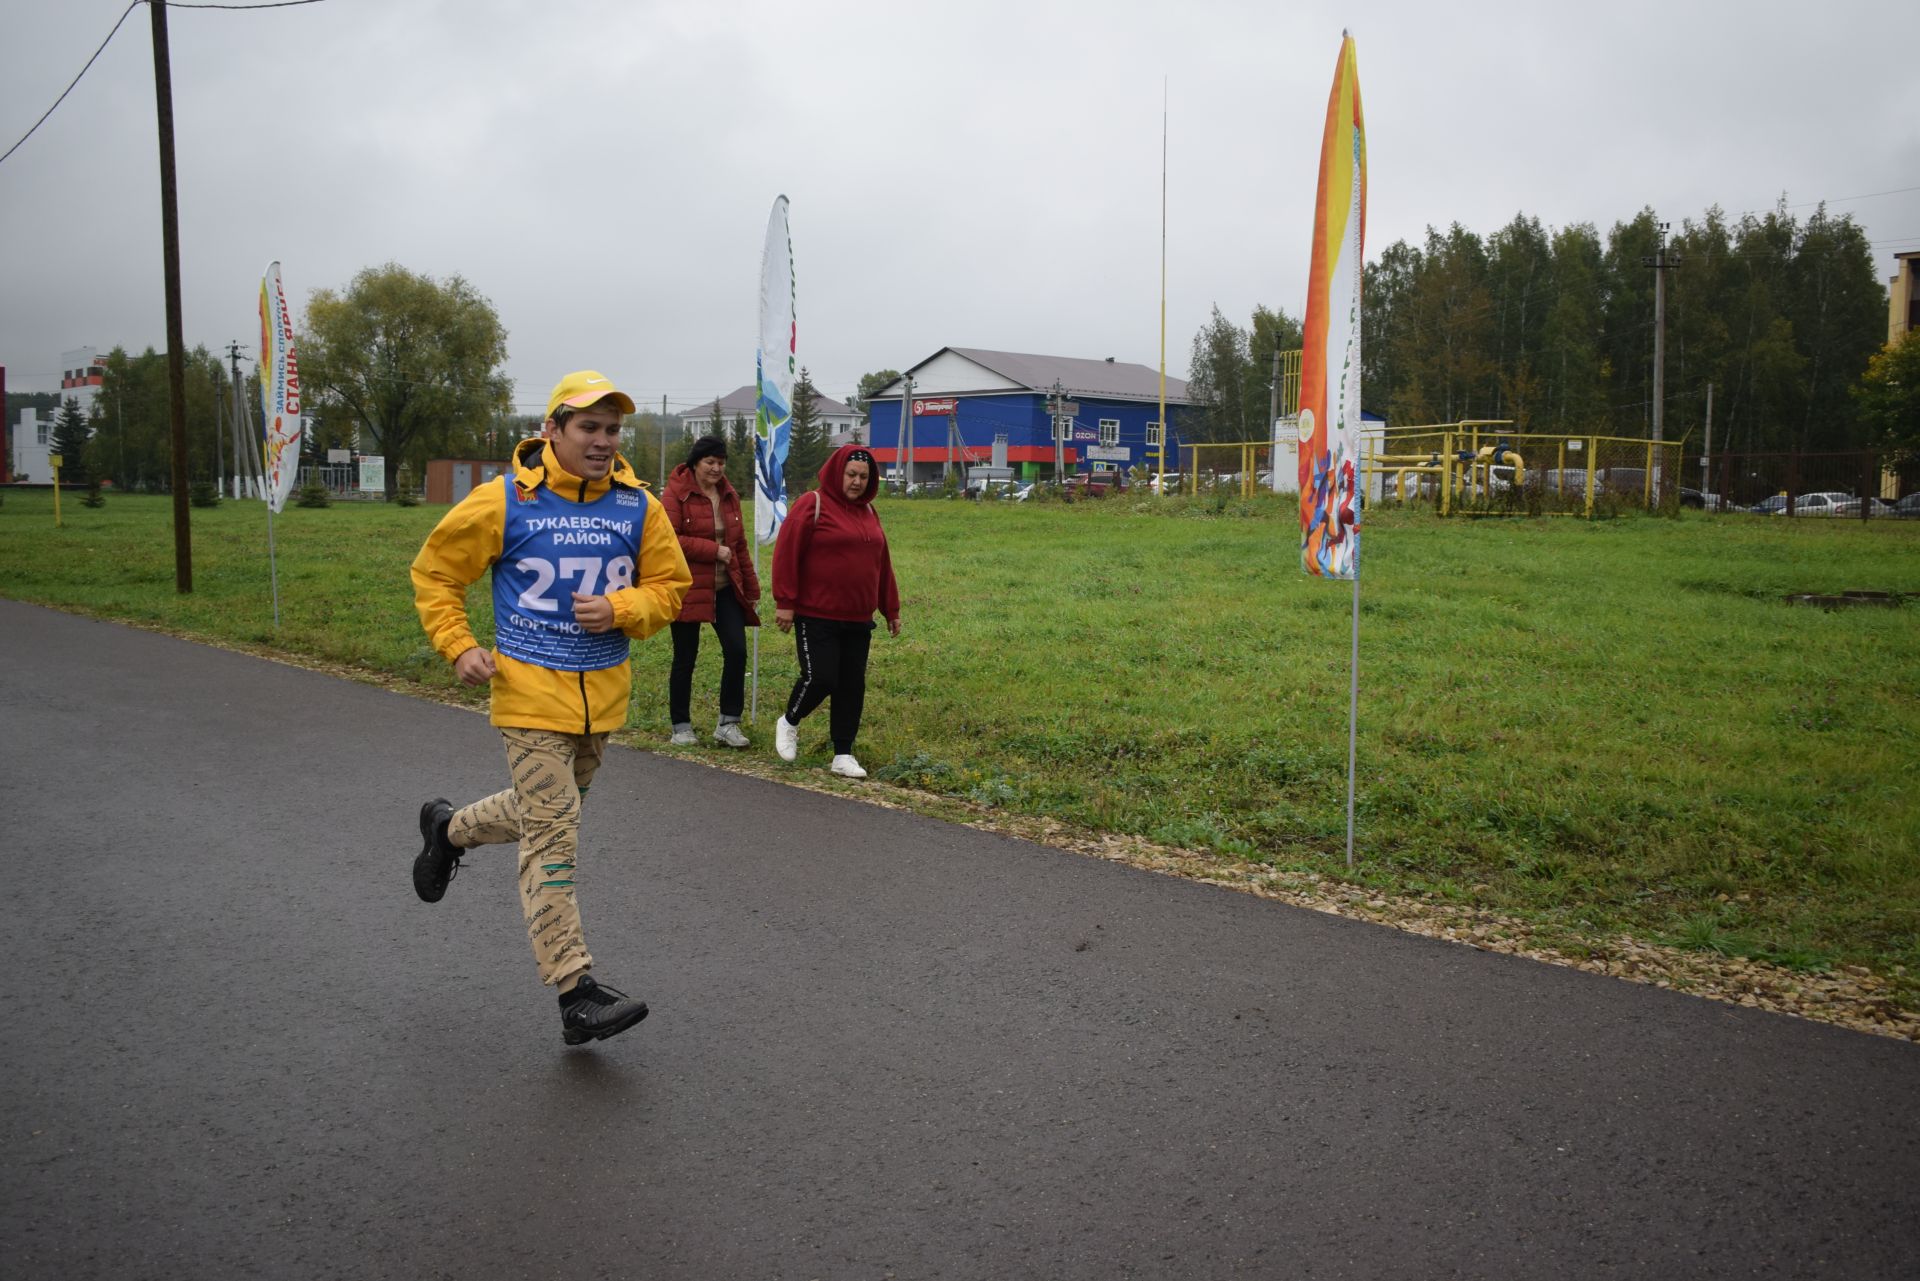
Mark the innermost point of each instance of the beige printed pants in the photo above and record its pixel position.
(551, 773)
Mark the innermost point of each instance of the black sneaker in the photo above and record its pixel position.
(592, 1012)
(439, 859)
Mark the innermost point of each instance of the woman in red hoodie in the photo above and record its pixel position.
(705, 512)
(831, 572)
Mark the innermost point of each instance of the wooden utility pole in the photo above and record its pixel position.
(1661, 265)
(170, 269)
(1706, 458)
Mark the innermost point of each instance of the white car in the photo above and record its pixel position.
(1879, 510)
(1827, 502)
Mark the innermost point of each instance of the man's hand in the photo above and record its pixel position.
(595, 613)
(783, 619)
(475, 666)
(724, 555)
(893, 627)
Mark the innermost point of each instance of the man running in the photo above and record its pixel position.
(583, 561)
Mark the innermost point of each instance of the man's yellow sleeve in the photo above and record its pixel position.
(455, 555)
(660, 582)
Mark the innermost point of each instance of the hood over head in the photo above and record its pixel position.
(832, 472)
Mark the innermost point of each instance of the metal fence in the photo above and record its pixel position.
(1858, 484)
(1486, 468)
(340, 479)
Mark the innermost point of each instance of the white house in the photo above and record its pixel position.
(838, 419)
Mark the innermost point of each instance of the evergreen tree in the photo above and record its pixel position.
(807, 440)
(70, 433)
(740, 457)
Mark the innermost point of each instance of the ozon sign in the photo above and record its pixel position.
(932, 408)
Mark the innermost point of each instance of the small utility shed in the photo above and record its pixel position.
(976, 407)
(451, 479)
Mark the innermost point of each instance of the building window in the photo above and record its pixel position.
(40, 432)
(1063, 427)
(1153, 433)
(1109, 431)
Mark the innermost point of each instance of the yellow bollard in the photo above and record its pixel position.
(54, 461)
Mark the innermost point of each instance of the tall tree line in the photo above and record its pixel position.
(129, 435)
(1554, 329)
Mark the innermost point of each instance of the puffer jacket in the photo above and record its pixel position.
(831, 560)
(691, 514)
(466, 543)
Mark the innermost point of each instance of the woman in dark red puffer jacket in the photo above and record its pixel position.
(705, 513)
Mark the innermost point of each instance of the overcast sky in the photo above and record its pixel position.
(981, 174)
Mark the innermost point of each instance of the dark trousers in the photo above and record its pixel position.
(833, 662)
(730, 625)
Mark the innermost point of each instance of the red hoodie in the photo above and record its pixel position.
(831, 560)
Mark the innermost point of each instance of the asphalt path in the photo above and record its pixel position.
(236, 1045)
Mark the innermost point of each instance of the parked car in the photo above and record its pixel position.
(1826, 502)
(1908, 507)
(1877, 511)
(1770, 506)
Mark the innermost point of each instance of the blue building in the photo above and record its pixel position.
(973, 408)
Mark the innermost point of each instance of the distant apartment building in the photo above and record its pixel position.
(1903, 296)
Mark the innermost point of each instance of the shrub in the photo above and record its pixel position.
(94, 498)
(202, 493)
(314, 494)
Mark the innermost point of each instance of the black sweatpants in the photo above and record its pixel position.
(730, 625)
(833, 662)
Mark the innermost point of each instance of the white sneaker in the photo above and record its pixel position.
(729, 735)
(846, 767)
(683, 736)
(786, 739)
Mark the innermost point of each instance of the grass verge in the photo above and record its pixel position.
(1595, 729)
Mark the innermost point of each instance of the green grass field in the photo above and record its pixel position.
(1617, 726)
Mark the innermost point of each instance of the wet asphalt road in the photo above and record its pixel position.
(236, 1045)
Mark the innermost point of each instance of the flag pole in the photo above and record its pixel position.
(273, 568)
(753, 705)
(1353, 694)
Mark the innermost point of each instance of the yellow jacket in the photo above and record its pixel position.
(465, 544)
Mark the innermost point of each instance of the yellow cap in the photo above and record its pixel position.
(585, 387)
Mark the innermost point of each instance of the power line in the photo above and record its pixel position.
(272, 4)
(1841, 200)
(76, 80)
